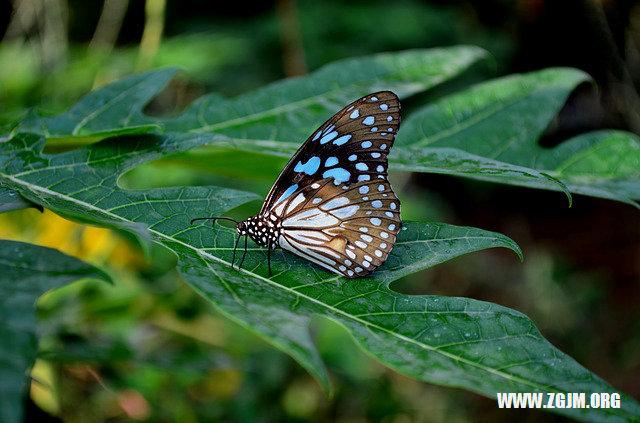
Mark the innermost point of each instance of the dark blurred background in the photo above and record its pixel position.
(150, 349)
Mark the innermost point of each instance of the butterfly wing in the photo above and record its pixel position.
(350, 232)
(333, 201)
(351, 146)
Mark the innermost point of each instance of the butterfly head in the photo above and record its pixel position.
(261, 230)
(242, 228)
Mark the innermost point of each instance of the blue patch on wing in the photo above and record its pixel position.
(331, 161)
(287, 193)
(343, 139)
(310, 167)
(338, 174)
(331, 135)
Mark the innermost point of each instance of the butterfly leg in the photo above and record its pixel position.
(235, 246)
(269, 260)
(246, 238)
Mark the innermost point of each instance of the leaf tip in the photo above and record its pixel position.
(102, 275)
(562, 186)
(513, 246)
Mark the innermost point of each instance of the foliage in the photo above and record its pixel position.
(460, 342)
(26, 272)
(486, 132)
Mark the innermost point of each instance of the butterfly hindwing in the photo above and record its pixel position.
(349, 231)
(351, 146)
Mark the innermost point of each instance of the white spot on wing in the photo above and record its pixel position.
(311, 218)
(335, 203)
(345, 212)
(309, 237)
(299, 199)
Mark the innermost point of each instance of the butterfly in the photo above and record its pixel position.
(332, 203)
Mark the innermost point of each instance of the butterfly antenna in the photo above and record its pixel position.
(213, 219)
(244, 253)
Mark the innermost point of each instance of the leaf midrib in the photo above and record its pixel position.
(202, 253)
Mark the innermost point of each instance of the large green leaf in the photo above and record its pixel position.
(458, 342)
(488, 132)
(282, 111)
(501, 121)
(26, 272)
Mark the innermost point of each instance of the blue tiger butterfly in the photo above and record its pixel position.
(332, 204)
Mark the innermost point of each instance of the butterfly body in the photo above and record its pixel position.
(332, 203)
(262, 230)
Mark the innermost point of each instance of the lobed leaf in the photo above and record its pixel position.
(488, 132)
(26, 272)
(502, 120)
(282, 111)
(458, 342)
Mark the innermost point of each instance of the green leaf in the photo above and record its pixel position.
(458, 342)
(488, 132)
(287, 111)
(26, 272)
(283, 111)
(500, 121)
(11, 200)
(115, 109)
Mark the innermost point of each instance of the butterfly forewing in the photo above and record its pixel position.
(332, 202)
(350, 147)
